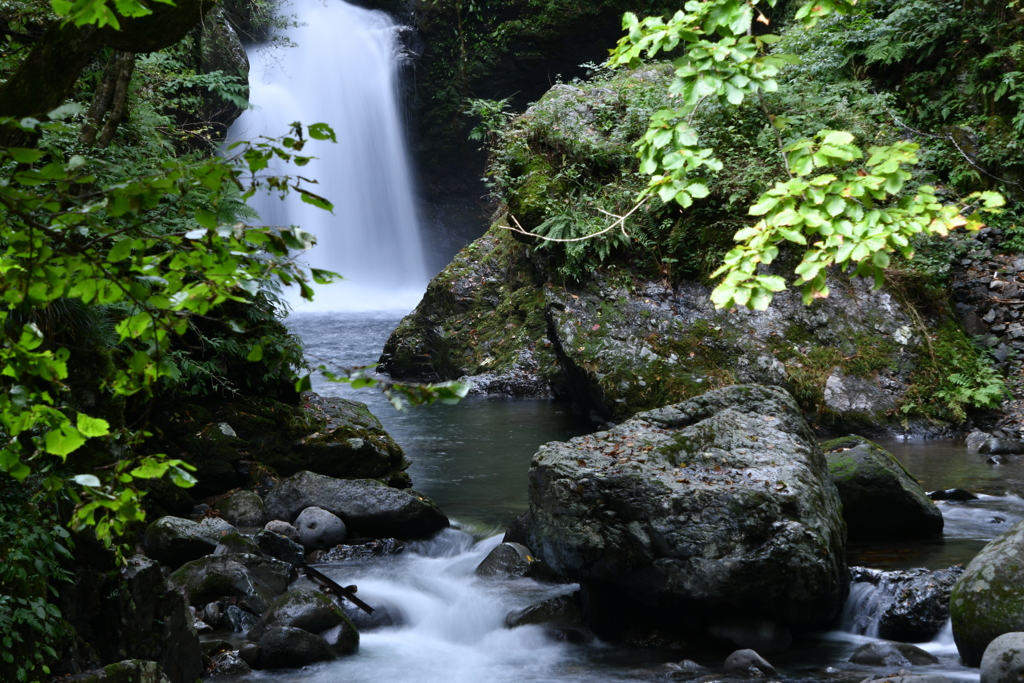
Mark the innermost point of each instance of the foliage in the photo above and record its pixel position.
(31, 544)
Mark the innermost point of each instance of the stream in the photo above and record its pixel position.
(472, 459)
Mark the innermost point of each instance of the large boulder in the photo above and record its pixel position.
(292, 648)
(881, 500)
(913, 604)
(302, 608)
(174, 541)
(255, 582)
(988, 600)
(280, 547)
(717, 507)
(1003, 661)
(368, 507)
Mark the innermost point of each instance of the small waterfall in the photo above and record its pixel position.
(343, 72)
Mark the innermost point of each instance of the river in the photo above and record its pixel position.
(472, 459)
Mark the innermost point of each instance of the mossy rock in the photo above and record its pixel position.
(988, 600)
(881, 500)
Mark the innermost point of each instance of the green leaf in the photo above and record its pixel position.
(91, 427)
(321, 131)
(25, 156)
(86, 480)
(255, 353)
(63, 440)
(206, 219)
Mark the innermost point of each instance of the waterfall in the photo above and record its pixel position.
(343, 72)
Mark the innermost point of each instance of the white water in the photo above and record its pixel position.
(343, 73)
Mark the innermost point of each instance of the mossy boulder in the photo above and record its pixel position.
(302, 608)
(237, 443)
(717, 507)
(173, 541)
(253, 581)
(988, 600)
(242, 508)
(881, 500)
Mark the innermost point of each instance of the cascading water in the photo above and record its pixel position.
(343, 73)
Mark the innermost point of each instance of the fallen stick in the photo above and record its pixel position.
(337, 589)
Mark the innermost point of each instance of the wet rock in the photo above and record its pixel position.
(319, 529)
(682, 670)
(128, 671)
(302, 608)
(343, 638)
(280, 547)
(253, 581)
(907, 676)
(173, 541)
(956, 495)
(880, 498)
(721, 506)
(558, 610)
(507, 559)
(292, 648)
(918, 606)
(1003, 661)
(748, 662)
(889, 653)
(988, 600)
(238, 620)
(249, 653)
(976, 439)
(385, 614)
(379, 547)
(1002, 446)
(228, 664)
(243, 508)
(212, 614)
(235, 542)
(283, 528)
(367, 507)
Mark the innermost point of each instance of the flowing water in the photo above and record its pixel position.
(343, 73)
(472, 458)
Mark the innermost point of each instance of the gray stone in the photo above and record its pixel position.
(881, 500)
(283, 528)
(302, 608)
(128, 671)
(748, 662)
(506, 559)
(228, 664)
(558, 610)
(918, 608)
(988, 600)
(243, 508)
(319, 529)
(846, 394)
(721, 506)
(343, 638)
(174, 541)
(254, 581)
(368, 507)
(976, 439)
(292, 648)
(238, 620)
(1002, 446)
(889, 653)
(280, 547)
(1003, 661)
(236, 543)
(249, 653)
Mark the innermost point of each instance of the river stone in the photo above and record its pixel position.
(920, 605)
(1002, 446)
(173, 541)
(988, 600)
(976, 439)
(880, 498)
(228, 664)
(956, 495)
(506, 559)
(237, 619)
(283, 528)
(243, 508)
(292, 648)
(280, 547)
(343, 638)
(368, 507)
(302, 608)
(558, 610)
(748, 662)
(1003, 661)
(889, 653)
(717, 507)
(128, 671)
(236, 543)
(319, 529)
(255, 581)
